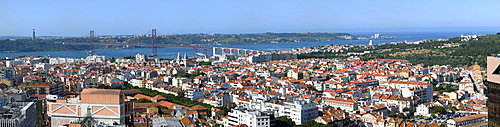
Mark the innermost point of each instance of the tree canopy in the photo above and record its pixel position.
(284, 121)
(463, 53)
(142, 100)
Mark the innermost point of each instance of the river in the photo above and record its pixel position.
(172, 52)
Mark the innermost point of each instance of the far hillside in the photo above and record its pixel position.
(454, 51)
(56, 43)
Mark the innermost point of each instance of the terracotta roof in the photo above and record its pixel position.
(433, 124)
(167, 104)
(101, 91)
(149, 104)
(241, 125)
(158, 97)
(471, 117)
(198, 107)
(185, 121)
(191, 112)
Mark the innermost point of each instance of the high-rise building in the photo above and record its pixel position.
(493, 73)
(18, 114)
(33, 37)
(251, 118)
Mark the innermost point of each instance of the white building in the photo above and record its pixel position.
(95, 58)
(349, 105)
(140, 57)
(299, 111)
(270, 57)
(423, 110)
(13, 62)
(251, 118)
(408, 88)
(137, 82)
(59, 60)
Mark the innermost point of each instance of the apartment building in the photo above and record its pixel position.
(18, 114)
(299, 110)
(349, 105)
(194, 94)
(251, 118)
(43, 88)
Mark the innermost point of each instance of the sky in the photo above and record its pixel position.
(137, 17)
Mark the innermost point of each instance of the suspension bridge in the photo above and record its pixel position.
(154, 45)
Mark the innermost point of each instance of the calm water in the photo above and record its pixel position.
(172, 52)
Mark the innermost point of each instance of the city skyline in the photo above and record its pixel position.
(76, 18)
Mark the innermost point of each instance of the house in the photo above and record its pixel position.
(186, 122)
(335, 117)
(217, 112)
(373, 120)
(423, 109)
(202, 111)
(394, 122)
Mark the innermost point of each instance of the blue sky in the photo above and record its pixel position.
(133, 17)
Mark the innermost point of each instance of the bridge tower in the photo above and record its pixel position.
(91, 42)
(153, 48)
(195, 50)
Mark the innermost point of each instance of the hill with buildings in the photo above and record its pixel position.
(56, 43)
(220, 39)
(460, 51)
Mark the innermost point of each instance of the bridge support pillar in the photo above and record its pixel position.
(214, 51)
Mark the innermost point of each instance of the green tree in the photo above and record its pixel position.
(181, 100)
(439, 109)
(312, 123)
(205, 63)
(182, 75)
(284, 121)
(112, 60)
(117, 87)
(142, 100)
(406, 109)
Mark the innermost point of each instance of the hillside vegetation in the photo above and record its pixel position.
(222, 39)
(56, 43)
(468, 53)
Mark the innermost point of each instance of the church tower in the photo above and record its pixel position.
(185, 60)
